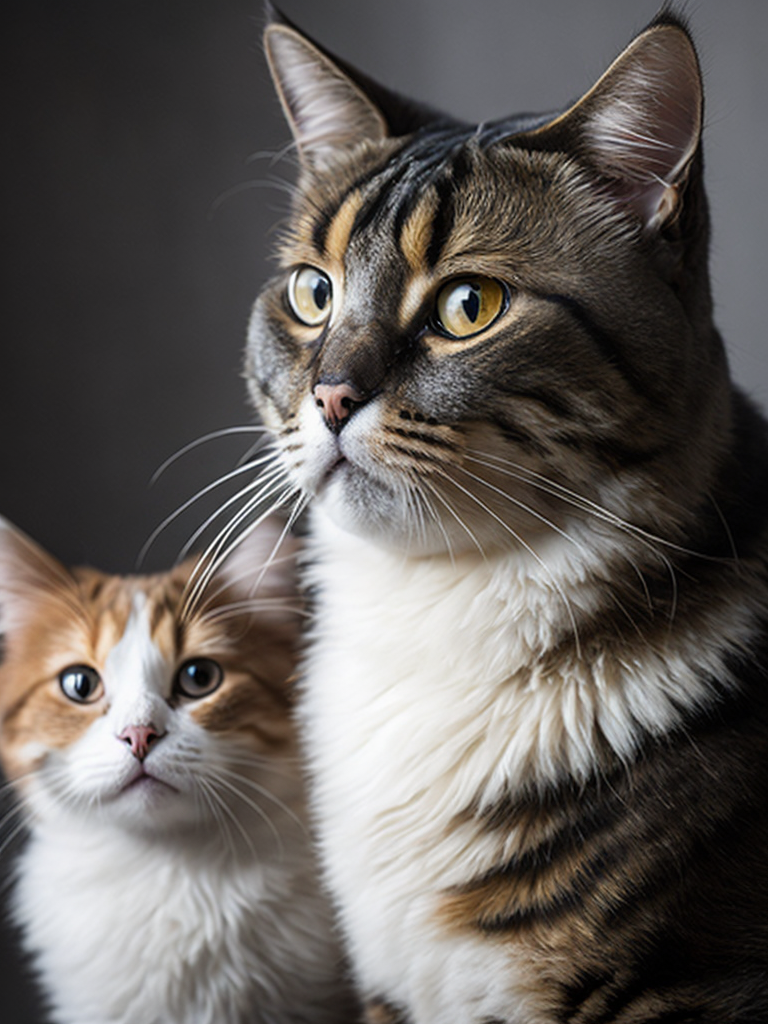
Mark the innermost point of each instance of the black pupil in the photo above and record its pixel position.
(199, 674)
(79, 683)
(321, 292)
(83, 685)
(471, 303)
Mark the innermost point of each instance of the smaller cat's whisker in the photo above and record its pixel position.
(252, 784)
(19, 814)
(261, 762)
(216, 776)
(214, 804)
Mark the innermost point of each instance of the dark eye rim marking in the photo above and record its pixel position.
(206, 689)
(70, 691)
(436, 327)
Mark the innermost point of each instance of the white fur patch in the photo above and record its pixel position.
(424, 695)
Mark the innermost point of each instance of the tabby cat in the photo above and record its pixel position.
(168, 877)
(536, 698)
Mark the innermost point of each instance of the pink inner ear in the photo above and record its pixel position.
(643, 120)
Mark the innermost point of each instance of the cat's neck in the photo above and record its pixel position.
(526, 636)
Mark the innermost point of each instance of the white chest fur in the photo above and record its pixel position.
(424, 695)
(129, 931)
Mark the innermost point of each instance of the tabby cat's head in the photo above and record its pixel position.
(119, 704)
(480, 333)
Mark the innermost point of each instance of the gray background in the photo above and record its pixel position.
(138, 214)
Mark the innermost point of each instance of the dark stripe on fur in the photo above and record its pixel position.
(442, 222)
(432, 440)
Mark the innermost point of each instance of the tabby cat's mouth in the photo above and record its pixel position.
(332, 471)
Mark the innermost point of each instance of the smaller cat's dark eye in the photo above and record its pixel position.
(467, 306)
(309, 295)
(199, 677)
(81, 683)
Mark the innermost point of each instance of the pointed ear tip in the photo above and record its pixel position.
(675, 38)
(273, 15)
(279, 33)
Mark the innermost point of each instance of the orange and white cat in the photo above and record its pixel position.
(168, 877)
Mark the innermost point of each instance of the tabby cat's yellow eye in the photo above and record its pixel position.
(467, 306)
(310, 294)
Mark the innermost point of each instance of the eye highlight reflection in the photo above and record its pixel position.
(198, 677)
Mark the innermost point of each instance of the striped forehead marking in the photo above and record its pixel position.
(417, 231)
(391, 192)
(340, 229)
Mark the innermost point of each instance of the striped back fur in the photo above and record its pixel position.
(535, 701)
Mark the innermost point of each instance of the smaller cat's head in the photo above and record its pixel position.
(120, 704)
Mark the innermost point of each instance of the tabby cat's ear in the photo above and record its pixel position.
(27, 575)
(640, 125)
(329, 105)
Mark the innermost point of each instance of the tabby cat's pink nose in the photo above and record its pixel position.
(140, 738)
(337, 402)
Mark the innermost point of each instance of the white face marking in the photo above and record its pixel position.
(137, 676)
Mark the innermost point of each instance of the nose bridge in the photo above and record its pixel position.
(357, 354)
(136, 675)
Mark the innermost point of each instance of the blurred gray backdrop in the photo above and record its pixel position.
(140, 203)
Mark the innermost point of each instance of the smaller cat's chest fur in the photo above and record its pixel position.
(201, 937)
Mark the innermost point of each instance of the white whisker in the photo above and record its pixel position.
(224, 783)
(195, 498)
(220, 548)
(273, 473)
(214, 435)
(527, 547)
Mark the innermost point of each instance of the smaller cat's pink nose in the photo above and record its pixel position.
(140, 738)
(337, 402)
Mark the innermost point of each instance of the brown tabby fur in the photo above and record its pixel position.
(632, 889)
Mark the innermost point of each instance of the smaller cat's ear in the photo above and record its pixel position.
(641, 123)
(27, 573)
(262, 568)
